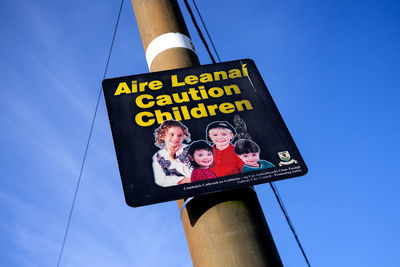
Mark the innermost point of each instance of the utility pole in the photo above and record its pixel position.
(222, 229)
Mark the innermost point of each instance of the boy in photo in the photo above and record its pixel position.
(249, 152)
(226, 162)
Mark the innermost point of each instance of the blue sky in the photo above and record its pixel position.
(331, 66)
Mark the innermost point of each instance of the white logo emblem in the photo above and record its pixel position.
(285, 158)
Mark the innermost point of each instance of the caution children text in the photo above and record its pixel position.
(186, 94)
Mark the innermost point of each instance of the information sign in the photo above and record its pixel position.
(191, 131)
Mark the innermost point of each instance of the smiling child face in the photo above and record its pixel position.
(173, 137)
(221, 137)
(251, 159)
(203, 158)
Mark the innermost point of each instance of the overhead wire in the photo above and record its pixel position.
(273, 186)
(89, 137)
(205, 27)
(199, 31)
(289, 221)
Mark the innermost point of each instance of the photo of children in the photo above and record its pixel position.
(201, 156)
(249, 152)
(170, 164)
(177, 163)
(226, 161)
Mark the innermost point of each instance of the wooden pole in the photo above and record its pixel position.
(222, 229)
(158, 17)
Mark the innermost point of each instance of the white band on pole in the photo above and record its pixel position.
(166, 41)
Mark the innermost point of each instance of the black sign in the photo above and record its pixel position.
(191, 131)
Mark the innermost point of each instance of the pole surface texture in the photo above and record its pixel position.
(222, 229)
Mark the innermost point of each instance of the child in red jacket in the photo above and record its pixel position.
(201, 156)
(226, 161)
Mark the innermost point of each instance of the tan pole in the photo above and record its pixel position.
(222, 229)
(158, 17)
